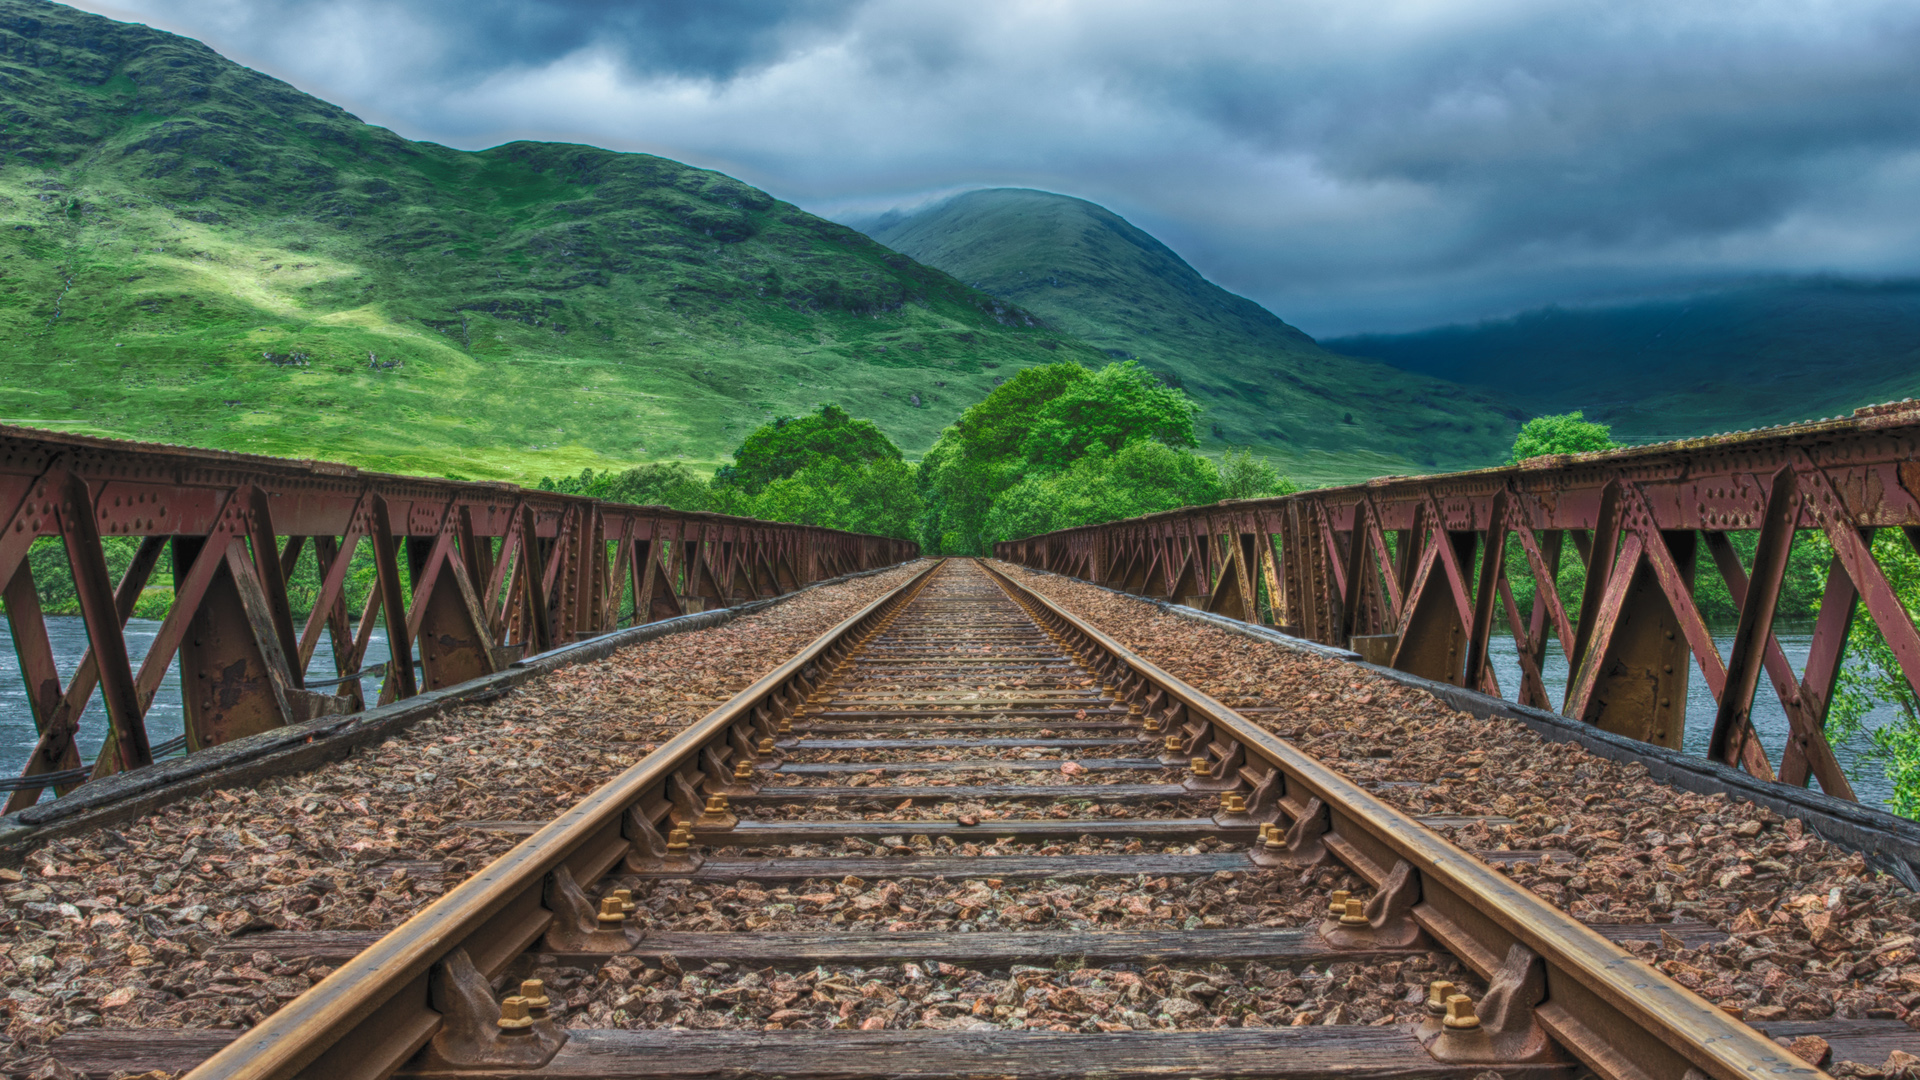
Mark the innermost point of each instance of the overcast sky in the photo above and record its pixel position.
(1353, 166)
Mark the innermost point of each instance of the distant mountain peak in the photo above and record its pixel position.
(1093, 273)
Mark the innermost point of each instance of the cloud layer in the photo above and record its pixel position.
(1352, 166)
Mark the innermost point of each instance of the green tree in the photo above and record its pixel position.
(1243, 476)
(979, 456)
(877, 498)
(1142, 477)
(1566, 433)
(1872, 676)
(790, 444)
(829, 470)
(1039, 423)
(1112, 407)
(666, 483)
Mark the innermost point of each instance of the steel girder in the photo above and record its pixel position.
(469, 578)
(1415, 572)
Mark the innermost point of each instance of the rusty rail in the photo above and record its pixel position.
(420, 1000)
(1551, 979)
(469, 578)
(1412, 572)
(375, 1011)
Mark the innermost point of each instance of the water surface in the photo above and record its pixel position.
(1769, 719)
(165, 719)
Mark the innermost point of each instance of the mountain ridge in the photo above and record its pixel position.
(1264, 382)
(194, 252)
(1745, 355)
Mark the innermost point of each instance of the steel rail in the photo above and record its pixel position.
(1619, 1015)
(375, 1011)
(1557, 991)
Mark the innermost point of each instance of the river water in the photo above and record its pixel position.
(1769, 719)
(167, 717)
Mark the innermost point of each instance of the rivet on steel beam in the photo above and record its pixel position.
(515, 1017)
(1438, 991)
(1337, 903)
(1460, 1015)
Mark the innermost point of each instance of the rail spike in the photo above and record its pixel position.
(580, 926)
(1302, 844)
(1385, 921)
(477, 1032)
(1503, 1030)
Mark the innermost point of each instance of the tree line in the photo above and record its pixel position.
(1053, 447)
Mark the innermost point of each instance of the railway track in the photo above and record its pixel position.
(980, 809)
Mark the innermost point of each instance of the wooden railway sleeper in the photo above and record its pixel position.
(1621, 1028)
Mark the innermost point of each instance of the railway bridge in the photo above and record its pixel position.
(1231, 791)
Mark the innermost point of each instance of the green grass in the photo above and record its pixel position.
(167, 217)
(1322, 417)
(1730, 360)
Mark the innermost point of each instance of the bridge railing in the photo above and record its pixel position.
(1415, 573)
(468, 578)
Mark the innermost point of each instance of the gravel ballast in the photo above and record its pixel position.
(1814, 932)
(111, 928)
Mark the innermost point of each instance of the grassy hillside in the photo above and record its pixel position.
(1264, 383)
(1722, 361)
(193, 252)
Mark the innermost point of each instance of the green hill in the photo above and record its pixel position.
(193, 252)
(1264, 383)
(1735, 359)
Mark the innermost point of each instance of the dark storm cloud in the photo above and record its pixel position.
(471, 39)
(1351, 166)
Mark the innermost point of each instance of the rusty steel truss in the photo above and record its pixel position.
(469, 577)
(1413, 572)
